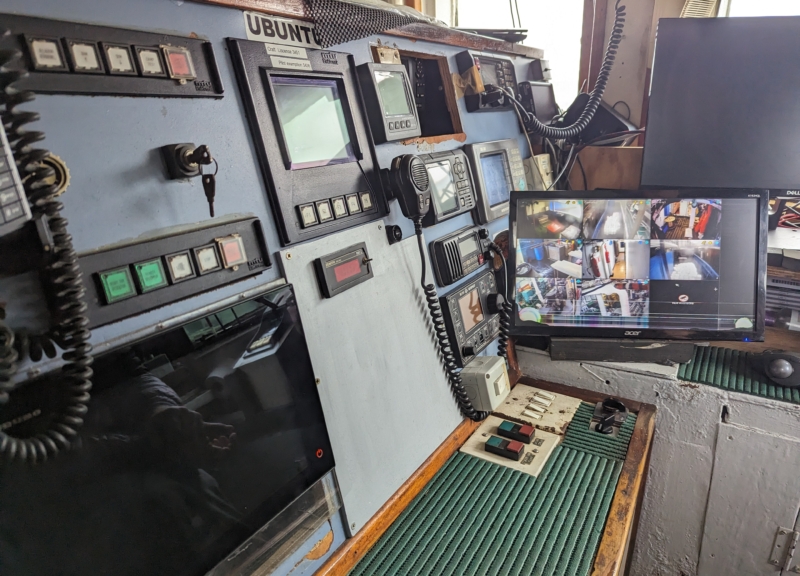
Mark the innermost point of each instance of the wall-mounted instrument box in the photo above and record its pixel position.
(470, 326)
(451, 185)
(388, 102)
(311, 137)
(497, 169)
(71, 58)
(495, 71)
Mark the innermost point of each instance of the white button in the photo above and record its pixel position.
(533, 415)
(207, 259)
(545, 395)
(85, 57)
(46, 54)
(119, 59)
(180, 266)
(151, 63)
(541, 401)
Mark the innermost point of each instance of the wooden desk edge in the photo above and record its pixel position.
(609, 559)
(346, 557)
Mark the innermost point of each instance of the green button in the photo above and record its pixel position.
(507, 426)
(150, 274)
(494, 441)
(117, 284)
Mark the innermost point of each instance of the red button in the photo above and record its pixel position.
(526, 430)
(515, 446)
(179, 64)
(232, 251)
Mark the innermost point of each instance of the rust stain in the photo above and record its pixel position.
(321, 548)
(689, 385)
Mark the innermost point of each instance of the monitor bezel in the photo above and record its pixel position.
(754, 335)
(485, 212)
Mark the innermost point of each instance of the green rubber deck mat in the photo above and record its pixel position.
(579, 437)
(478, 518)
(730, 370)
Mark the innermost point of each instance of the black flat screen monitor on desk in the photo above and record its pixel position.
(723, 108)
(687, 264)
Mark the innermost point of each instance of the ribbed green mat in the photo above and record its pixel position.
(477, 518)
(730, 369)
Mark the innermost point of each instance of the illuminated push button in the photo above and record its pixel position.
(150, 62)
(339, 207)
(366, 201)
(180, 267)
(308, 215)
(150, 275)
(512, 431)
(207, 259)
(510, 449)
(324, 211)
(232, 250)
(117, 284)
(119, 59)
(85, 56)
(47, 55)
(179, 62)
(352, 203)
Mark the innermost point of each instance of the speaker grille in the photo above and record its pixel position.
(419, 174)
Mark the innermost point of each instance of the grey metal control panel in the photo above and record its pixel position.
(14, 208)
(451, 185)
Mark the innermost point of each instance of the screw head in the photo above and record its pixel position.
(353, 525)
(774, 561)
(317, 380)
(288, 255)
(782, 532)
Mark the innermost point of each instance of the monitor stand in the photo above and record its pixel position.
(667, 352)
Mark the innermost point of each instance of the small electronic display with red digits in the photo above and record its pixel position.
(342, 270)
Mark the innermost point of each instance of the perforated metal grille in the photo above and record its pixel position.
(419, 174)
(478, 518)
(732, 370)
(340, 22)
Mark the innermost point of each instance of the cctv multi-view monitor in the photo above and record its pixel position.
(687, 264)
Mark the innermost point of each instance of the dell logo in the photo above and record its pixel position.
(793, 192)
(633, 332)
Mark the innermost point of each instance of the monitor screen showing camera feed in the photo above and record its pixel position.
(392, 87)
(495, 177)
(684, 264)
(443, 187)
(312, 120)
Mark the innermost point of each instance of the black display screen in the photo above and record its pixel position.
(194, 439)
(658, 263)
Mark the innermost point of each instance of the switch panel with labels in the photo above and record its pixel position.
(488, 443)
(541, 409)
(128, 280)
(493, 71)
(470, 326)
(64, 57)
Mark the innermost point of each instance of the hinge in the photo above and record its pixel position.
(783, 551)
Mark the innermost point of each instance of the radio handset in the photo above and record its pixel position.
(407, 180)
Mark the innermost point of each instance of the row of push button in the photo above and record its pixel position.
(86, 57)
(400, 125)
(326, 210)
(148, 275)
(11, 194)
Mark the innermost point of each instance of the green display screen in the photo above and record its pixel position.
(151, 275)
(392, 87)
(312, 121)
(117, 284)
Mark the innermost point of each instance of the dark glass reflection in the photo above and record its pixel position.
(195, 438)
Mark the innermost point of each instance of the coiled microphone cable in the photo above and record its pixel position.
(435, 309)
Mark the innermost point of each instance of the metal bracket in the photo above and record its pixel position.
(783, 550)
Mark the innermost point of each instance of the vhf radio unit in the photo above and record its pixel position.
(471, 317)
(458, 254)
(493, 71)
(452, 190)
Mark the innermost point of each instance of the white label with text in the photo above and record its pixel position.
(284, 31)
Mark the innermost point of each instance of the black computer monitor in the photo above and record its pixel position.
(723, 108)
(687, 264)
